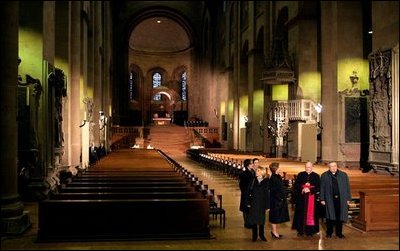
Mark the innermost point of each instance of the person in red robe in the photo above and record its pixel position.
(306, 191)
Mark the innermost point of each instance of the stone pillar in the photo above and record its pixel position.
(236, 80)
(330, 134)
(14, 220)
(250, 79)
(75, 74)
(107, 88)
(97, 74)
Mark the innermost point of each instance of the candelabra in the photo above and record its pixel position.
(278, 126)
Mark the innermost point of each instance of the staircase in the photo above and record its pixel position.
(171, 139)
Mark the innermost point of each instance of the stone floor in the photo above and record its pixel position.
(233, 237)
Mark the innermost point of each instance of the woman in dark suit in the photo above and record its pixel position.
(279, 211)
(257, 201)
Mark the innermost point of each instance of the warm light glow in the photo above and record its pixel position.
(280, 92)
(166, 94)
(222, 108)
(30, 51)
(310, 85)
(346, 66)
(243, 110)
(159, 21)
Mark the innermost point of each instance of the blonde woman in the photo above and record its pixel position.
(257, 201)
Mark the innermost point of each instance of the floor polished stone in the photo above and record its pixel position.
(233, 237)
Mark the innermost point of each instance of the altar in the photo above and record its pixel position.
(162, 121)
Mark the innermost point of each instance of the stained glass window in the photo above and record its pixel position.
(183, 86)
(156, 83)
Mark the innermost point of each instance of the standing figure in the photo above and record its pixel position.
(257, 200)
(245, 178)
(256, 163)
(306, 191)
(93, 157)
(335, 196)
(279, 212)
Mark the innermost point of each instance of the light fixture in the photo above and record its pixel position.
(318, 108)
(159, 21)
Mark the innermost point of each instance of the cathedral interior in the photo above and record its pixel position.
(298, 80)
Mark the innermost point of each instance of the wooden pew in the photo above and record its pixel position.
(65, 220)
(356, 187)
(127, 178)
(124, 189)
(379, 210)
(126, 195)
(128, 184)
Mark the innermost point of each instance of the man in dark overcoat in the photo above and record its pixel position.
(245, 177)
(335, 195)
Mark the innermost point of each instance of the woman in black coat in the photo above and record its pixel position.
(257, 201)
(306, 191)
(279, 211)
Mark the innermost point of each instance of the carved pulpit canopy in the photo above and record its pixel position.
(278, 68)
(278, 76)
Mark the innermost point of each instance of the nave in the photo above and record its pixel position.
(233, 237)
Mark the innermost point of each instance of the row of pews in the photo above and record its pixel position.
(375, 198)
(131, 194)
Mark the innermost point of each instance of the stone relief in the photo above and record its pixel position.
(380, 101)
(89, 116)
(56, 80)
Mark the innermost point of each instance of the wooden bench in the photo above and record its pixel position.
(65, 220)
(379, 210)
(128, 184)
(132, 189)
(127, 178)
(126, 195)
(357, 187)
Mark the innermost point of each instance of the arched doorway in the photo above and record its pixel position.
(162, 110)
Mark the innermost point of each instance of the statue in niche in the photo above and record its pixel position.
(89, 110)
(57, 81)
(380, 78)
(28, 147)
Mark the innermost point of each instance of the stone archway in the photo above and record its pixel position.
(165, 107)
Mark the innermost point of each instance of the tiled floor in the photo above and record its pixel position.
(233, 237)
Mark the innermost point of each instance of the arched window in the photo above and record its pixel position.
(156, 83)
(183, 86)
(132, 85)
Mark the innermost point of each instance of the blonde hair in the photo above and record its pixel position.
(263, 170)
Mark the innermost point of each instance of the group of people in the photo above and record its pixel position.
(96, 153)
(315, 196)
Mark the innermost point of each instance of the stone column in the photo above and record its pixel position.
(97, 74)
(107, 88)
(75, 75)
(250, 80)
(329, 50)
(14, 220)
